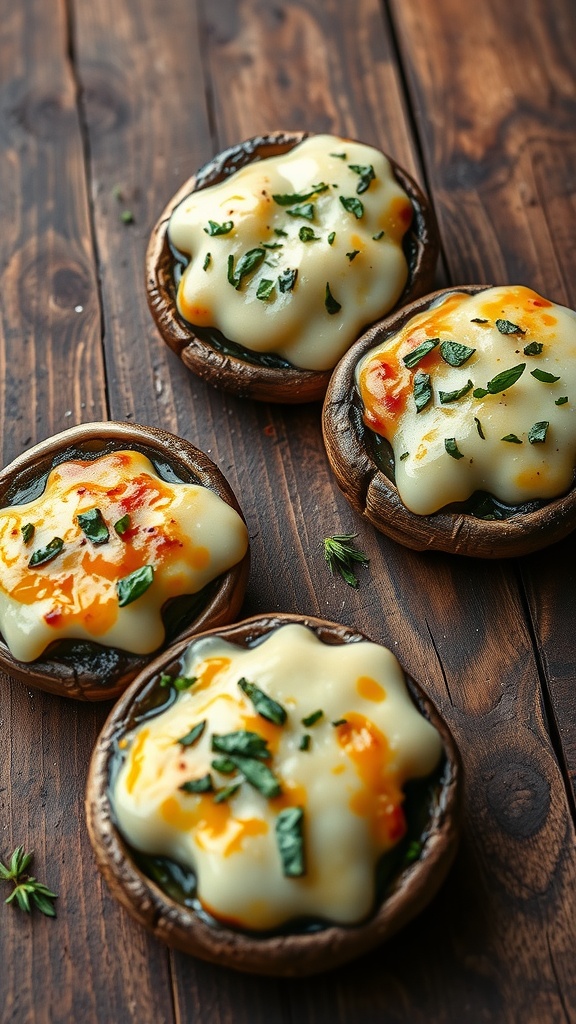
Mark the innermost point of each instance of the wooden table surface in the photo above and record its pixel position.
(130, 97)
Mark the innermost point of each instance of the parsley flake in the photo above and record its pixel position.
(479, 428)
(307, 235)
(287, 280)
(27, 532)
(264, 705)
(422, 390)
(512, 438)
(299, 197)
(194, 735)
(265, 289)
(331, 238)
(544, 377)
(214, 228)
(561, 401)
(332, 305)
(201, 785)
(46, 554)
(537, 432)
(507, 327)
(312, 718)
(306, 211)
(455, 354)
(352, 205)
(417, 354)
(453, 396)
(352, 255)
(452, 448)
(290, 840)
(501, 382)
(131, 587)
(93, 526)
(248, 263)
(367, 176)
(533, 349)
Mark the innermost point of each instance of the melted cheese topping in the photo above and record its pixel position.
(518, 444)
(363, 264)
(185, 532)
(349, 782)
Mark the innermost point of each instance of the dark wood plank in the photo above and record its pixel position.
(52, 375)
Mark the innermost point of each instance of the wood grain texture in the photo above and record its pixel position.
(161, 87)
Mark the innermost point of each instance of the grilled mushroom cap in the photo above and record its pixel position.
(373, 494)
(90, 671)
(220, 367)
(288, 953)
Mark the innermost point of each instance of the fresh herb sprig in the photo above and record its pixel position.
(341, 555)
(28, 892)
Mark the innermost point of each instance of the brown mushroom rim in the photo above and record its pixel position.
(422, 808)
(89, 653)
(412, 236)
(401, 371)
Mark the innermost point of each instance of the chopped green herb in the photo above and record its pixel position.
(376, 238)
(413, 358)
(265, 705)
(272, 245)
(352, 205)
(452, 448)
(312, 719)
(224, 794)
(201, 785)
(332, 305)
(501, 382)
(28, 892)
(413, 852)
(193, 736)
(165, 680)
(259, 775)
(305, 742)
(455, 354)
(352, 255)
(404, 456)
(544, 377)
(223, 765)
(287, 280)
(331, 237)
(367, 176)
(184, 682)
(533, 349)
(339, 156)
(292, 199)
(27, 532)
(93, 526)
(340, 721)
(341, 555)
(207, 261)
(246, 265)
(306, 211)
(537, 432)
(561, 401)
(453, 396)
(127, 217)
(43, 555)
(122, 525)
(131, 587)
(478, 320)
(307, 235)
(422, 390)
(265, 289)
(280, 233)
(214, 228)
(290, 840)
(512, 438)
(507, 327)
(479, 428)
(248, 744)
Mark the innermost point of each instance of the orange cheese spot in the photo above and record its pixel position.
(245, 829)
(193, 312)
(208, 670)
(384, 387)
(529, 479)
(136, 759)
(370, 689)
(380, 798)
(397, 219)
